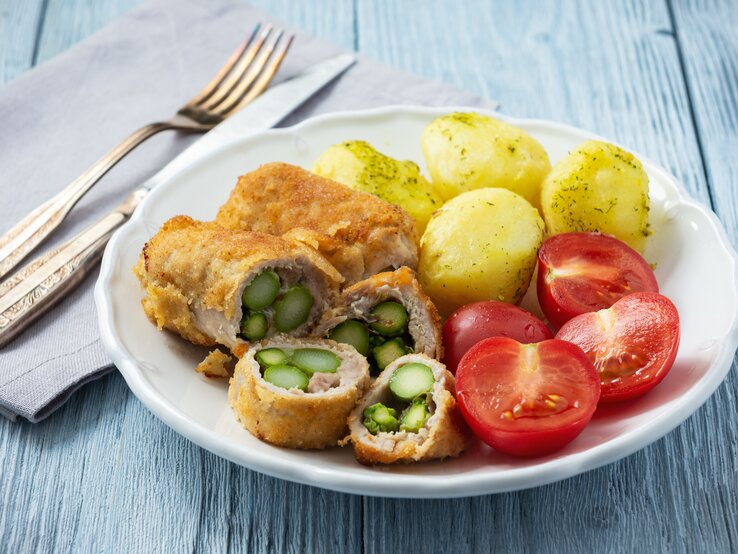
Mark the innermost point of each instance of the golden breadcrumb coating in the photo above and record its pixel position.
(216, 365)
(444, 435)
(357, 232)
(293, 418)
(401, 285)
(193, 274)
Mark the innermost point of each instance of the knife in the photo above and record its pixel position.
(38, 286)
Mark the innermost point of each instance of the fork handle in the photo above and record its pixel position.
(22, 238)
(37, 287)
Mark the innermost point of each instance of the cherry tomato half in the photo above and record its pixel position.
(633, 344)
(526, 399)
(586, 272)
(482, 320)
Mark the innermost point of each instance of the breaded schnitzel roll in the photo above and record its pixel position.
(357, 232)
(409, 415)
(298, 393)
(213, 285)
(384, 317)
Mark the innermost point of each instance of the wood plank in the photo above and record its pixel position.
(709, 44)
(331, 20)
(103, 474)
(19, 25)
(612, 67)
(67, 22)
(616, 58)
(652, 500)
(709, 49)
(96, 477)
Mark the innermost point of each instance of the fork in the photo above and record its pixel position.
(246, 74)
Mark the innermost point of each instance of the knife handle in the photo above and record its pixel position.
(37, 287)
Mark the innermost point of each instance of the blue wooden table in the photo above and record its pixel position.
(102, 474)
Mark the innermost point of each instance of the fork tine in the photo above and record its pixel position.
(205, 93)
(251, 75)
(242, 67)
(261, 83)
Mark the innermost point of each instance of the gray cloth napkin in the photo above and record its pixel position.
(62, 116)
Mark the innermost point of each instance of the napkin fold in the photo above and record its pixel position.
(65, 114)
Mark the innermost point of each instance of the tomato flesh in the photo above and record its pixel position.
(632, 345)
(585, 272)
(481, 320)
(526, 399)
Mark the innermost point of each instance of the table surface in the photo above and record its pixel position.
(103, 474)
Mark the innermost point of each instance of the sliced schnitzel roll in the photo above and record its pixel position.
(384, 317)
(357, 232)
(409, 415)
(218, 286)
(298, 393)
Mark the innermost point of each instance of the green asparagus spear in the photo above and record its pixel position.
(271, 356)
(254, 326)
(293, 309)
(380, 418)
(286, 376)
(315, 360)
(414, 417)
(386, 353)
(390, 318)
(261, 291)
(411, 380)
(352, 332)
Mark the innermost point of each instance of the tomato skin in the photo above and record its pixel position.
(481, 320)
(633, 344)
(497, 374)
(585, 272)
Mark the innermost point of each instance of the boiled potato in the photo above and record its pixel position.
(358, 165)
(598, 187)
(481, 245)
(467, 151)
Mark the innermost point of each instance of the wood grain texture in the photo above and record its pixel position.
(609, 67)
(329, 19)
(19, 25)
(708, 46)
(67, 22)
(614, 68)
(103, 474)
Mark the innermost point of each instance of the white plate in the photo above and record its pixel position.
(696, 269)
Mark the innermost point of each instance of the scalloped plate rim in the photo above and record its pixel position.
(406, 485)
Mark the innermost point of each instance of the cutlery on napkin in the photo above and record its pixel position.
(38, 286)
(73, 116)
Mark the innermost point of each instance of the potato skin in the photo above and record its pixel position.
(359, 166)
(467, 151)
(482, 245)
(598, 187)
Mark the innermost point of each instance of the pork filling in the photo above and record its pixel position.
(311, 370)
(409, 406)
(274, 301)
(381, 336)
